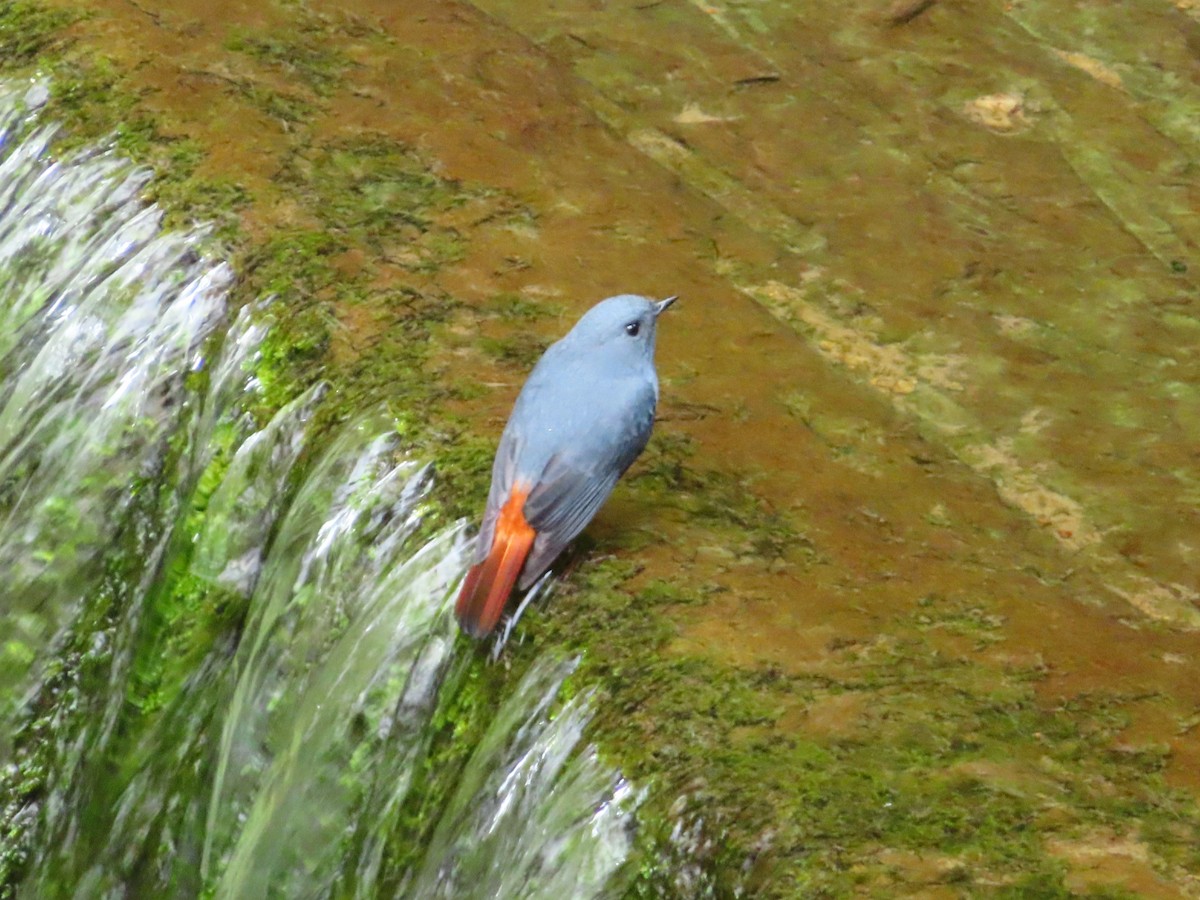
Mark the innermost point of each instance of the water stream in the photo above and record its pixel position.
(136, 493)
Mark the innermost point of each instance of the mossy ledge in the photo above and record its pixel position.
(930, 770)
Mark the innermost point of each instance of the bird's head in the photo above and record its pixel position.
(622, 325)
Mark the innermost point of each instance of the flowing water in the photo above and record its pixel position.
(132, 472)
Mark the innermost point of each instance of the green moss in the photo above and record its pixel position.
(369, 183)
(464, 710)
(944, 758)
(303, 50)
(188, 615)
(464, 471)
(723, 499)
(284, 107)
(513, 307)
(29, 30)
(520, 350)
(57, 719)
(299, 57)
(960, 617)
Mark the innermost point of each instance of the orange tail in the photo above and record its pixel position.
(489, 583)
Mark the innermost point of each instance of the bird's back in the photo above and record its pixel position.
(581, 409)
(577, 425)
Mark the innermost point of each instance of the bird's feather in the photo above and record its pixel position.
(487, 586)
(562, 504)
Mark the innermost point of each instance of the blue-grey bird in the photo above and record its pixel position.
(581, 419)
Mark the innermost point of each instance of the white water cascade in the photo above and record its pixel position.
(130, 473)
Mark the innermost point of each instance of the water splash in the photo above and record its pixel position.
(104, 315)
(347, 651)
(530, 818)
(283, 763)
(343, 611)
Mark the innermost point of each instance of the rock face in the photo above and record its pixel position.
(917, 534)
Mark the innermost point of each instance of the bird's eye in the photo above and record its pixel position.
(633, 328)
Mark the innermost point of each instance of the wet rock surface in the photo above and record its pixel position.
(902, 597)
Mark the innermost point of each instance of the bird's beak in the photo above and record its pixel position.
(661, 305)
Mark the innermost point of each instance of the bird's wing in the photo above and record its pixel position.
(504, 478)
(559, 507)
(573, 486)
(541, 390)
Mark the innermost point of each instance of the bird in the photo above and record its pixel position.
(583, 416)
